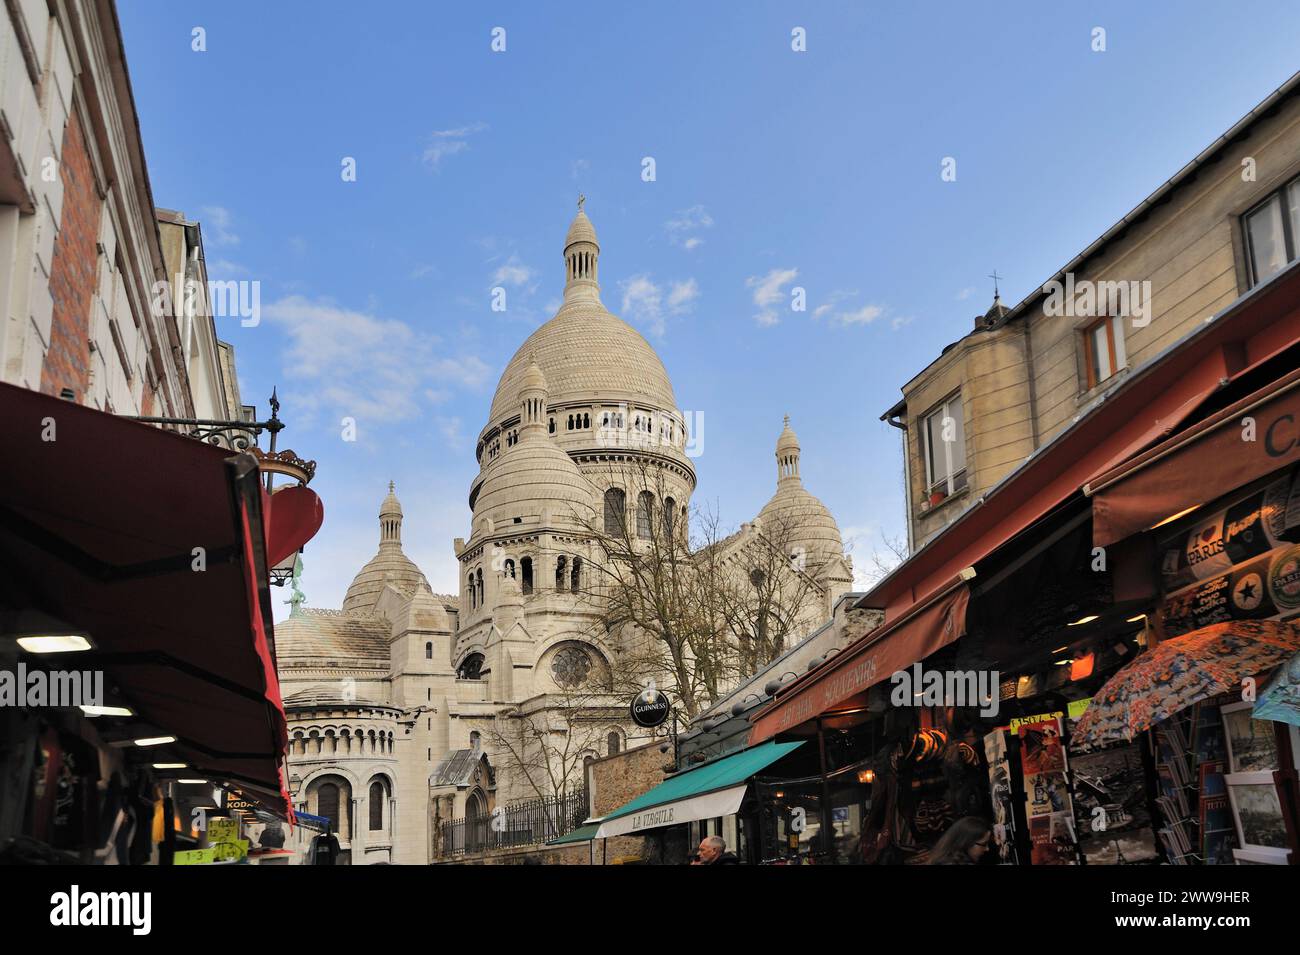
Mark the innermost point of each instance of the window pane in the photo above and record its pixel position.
(958, 444)
(1293, 201)
(1100, 353)
(1117, 331)
(1267, 243)
(934, 448)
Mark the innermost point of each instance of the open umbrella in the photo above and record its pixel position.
(1182, 671)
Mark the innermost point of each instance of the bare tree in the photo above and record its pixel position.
(545, 742)
(695, 615)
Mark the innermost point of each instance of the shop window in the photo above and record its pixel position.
(1272, 232)
(944, 437)
(1103, 348)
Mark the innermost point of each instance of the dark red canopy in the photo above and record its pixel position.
(153, 543)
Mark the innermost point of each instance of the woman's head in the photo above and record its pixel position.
(969, 836)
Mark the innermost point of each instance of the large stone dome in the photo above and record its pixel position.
(586, 353)
(532, 476)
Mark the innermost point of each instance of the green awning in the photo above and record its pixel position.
(713, 790)
(581, 834)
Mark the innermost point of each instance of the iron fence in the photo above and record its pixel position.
(527, 823)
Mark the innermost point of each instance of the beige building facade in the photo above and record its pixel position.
(1224, 223)
(411, 710)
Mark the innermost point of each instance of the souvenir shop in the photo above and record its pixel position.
(137, 692)
(1129, 600)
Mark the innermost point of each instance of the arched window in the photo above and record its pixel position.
(645, 503)
(570, 427)
(377, 799)
(615, 509)
(614, 742)
(526, 572)
(479, 578)
(473, 592)
(428, 651)
(471, 668)
(559, 573)
(575, 577)
(670, 515)
(475, 741)
(327, 803)
(586, 421)
(551, 427)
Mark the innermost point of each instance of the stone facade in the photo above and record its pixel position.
(502, 692)
(1023, 373)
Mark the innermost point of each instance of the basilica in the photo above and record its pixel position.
(407, 708)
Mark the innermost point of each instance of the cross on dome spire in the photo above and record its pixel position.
(581, 254)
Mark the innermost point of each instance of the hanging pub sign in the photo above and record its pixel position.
(1252, 525)
(650, 708)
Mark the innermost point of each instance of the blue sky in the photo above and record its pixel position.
(774, 169)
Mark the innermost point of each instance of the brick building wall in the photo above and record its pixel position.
(617, 780)
(73, 271)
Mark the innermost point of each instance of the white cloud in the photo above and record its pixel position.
(898, 321)
(646, 302)
(863, 316)
(682, 228)
(965, 294)
(768, 291)
(356, 364)
(449, 142)
(220, 225)
(513, 272)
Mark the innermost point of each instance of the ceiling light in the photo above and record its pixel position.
(191, 780)
(1138, 619)
(55, 643)
(170, 766)
(154, 740)
(37, 632)
(1088, 619)
(107, 711)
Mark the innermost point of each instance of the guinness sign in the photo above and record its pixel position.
(650, 708)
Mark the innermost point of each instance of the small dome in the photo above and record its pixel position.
(391, 507)
(533, 379)
(532, 476)
(389, 566)
(799, 519)
(581, 230)
(787, 443)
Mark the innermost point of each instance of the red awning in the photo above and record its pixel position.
(152, 543)
(931, 625)
(1210, 459)
(1153, 400)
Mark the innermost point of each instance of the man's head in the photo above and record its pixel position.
(711, 847)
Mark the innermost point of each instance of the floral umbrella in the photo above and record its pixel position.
(1182, 671)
